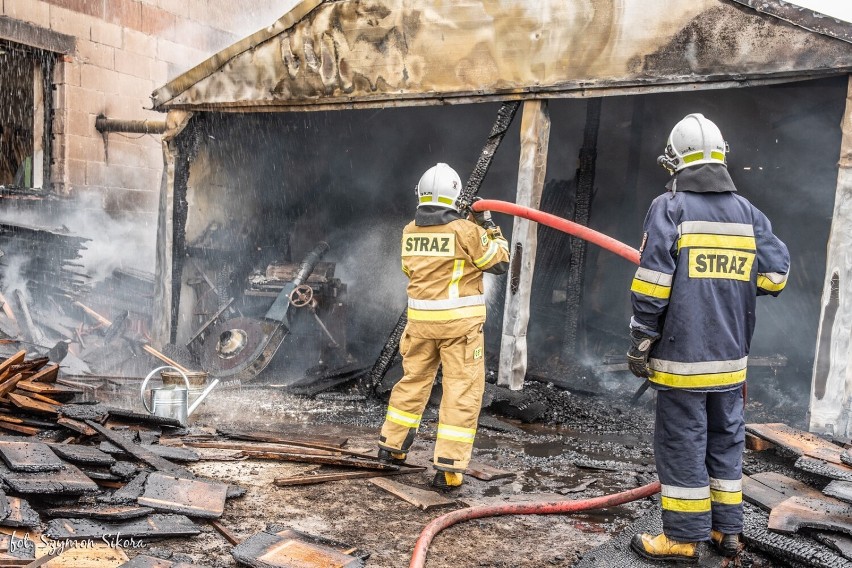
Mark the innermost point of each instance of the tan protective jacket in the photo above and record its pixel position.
(444, 264)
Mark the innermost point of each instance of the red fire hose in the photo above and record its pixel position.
(559, 224)
(430, 531)
(418, 559)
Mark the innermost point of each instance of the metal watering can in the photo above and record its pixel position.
(173, 401)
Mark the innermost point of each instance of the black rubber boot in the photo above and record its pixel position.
(394, 458)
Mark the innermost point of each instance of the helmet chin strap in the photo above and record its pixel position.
(667, 163)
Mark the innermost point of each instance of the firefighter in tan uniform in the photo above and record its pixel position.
(444, 256)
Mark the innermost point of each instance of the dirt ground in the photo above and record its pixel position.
(597, 438)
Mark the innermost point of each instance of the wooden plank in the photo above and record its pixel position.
(224, 531)
(839, 490)
(318, 441)
(486, 472)
(96, 555)
(196, 498)
(100, 512)
(757, 444)
(41, 398)
(10, 384)
(799, 512)
(130, 492)
(799, 442)
(32, 405)
(47, 375)
(27, 430)
(68, 480)
(787, 486)
(421, 498)
(325, 460)
(265, 550)
(312, 478)
(48, 389)
(260, 447)
(535, 136)
(836, 541)
(761, 495)
(144, 561)
(140, 453)
(6, 366)
(21, 514)
(153, 526)
(76, 426)
(88, 455)
(124, 415)
(168, 361)
(825, 469)
(172, 453)
(29, 456)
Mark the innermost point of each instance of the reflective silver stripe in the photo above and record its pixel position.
(729, 485)
(654, 277)
(699, 368)
(775, 277)
(478, 300)
(712, 228)
(686, 492)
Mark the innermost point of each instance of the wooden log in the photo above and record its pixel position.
(313, 478)
(535, 136)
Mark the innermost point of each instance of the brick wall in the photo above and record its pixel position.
(124, 50)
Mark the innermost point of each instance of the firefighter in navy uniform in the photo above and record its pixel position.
(444, 256)
(706, 254)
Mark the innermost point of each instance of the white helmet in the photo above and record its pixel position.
(440, 186)
(694, 140)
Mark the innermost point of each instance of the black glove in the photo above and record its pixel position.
(637, 355)
(482, 218)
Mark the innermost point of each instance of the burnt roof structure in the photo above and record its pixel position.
(352, 54)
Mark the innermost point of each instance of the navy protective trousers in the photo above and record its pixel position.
(698, 445)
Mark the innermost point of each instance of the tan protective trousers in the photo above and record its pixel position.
(463, 382)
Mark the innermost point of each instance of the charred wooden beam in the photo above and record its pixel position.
(104, 125)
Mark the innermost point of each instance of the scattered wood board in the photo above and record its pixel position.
(130, 492)
(838, 542)
(68, 480)
(839, 490)
(265, 550)
(421, 498)
(144, 561)
(486, 472)
(761, 495)
(6, 366)
(258, 447)
(286, 532)
(825, 469)
(224, 531)
(21, 514)
(152, 526)
(172, 453)
(325, 460)
(88, 455)
(19, 428)
(757, 444)
(98, 555)
(799, 512)
(142, 418)
(291, 438)
(320, 477)
(767, 490)
(48, 389)
(46, 375)
(797, 441)
(140, 453)
(191, 497)
(100, 512)
(33, 405)
(76, 426)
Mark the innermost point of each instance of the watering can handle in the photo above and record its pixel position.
(148, 378)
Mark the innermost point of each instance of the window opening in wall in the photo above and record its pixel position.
(23, 115)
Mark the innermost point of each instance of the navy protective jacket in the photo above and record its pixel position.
(706, 254)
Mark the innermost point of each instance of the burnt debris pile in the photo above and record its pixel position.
(74, 471)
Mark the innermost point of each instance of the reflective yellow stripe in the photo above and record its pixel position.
(716, 241)
(717, 156)
(708, 380)
(445, 200)
(648, 289)
(694, 157)
(489, 254)
(726, 497)
(442, 315)
(456, 433)
(458, 272)
(403, 418)
(686, 505)
(425, 199)
(766, 284)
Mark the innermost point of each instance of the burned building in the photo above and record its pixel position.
(315, 129)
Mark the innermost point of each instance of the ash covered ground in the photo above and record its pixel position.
(588, 444)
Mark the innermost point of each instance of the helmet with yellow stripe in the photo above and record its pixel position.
(440, 186)
(694, 140)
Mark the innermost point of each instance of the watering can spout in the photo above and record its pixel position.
(201, 397)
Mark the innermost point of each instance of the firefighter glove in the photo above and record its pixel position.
(637, 355)
(482, 218)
